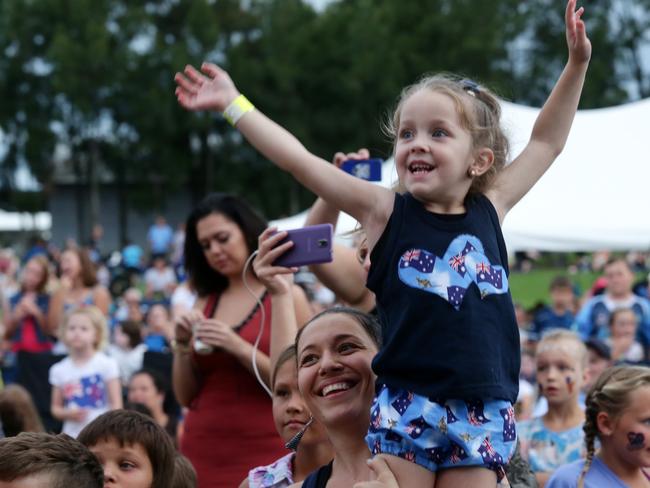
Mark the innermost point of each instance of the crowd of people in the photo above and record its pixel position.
(402, 363)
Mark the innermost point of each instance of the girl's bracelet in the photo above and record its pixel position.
(239, 107)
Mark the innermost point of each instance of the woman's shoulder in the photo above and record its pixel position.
(597, 476)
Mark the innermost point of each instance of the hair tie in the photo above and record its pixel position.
(470, 86)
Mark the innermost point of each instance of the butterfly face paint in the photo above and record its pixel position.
(636, 441)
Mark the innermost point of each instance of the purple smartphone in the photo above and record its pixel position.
(311, 245)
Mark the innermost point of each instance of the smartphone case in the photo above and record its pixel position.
(366, 169)
(311, 245)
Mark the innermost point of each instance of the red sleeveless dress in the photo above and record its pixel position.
(229, 428)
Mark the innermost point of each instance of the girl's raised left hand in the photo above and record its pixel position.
(276, 279)
(208, 89)
(576, 34)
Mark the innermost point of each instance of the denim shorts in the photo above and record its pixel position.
(442, 434)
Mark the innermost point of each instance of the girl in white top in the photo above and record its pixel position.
(86, 383)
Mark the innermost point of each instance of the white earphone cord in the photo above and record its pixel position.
(262, 323)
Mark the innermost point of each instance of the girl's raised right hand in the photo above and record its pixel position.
(184, 324)
(340, 157)
(208, 89)
(276, 279)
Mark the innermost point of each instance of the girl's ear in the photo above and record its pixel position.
(605, 424)
(483, 161)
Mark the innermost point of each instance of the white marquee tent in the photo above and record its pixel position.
(595, 196)
(23, 221)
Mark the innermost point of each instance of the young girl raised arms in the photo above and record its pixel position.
(448, 369)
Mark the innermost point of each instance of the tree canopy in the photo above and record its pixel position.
(89, 83)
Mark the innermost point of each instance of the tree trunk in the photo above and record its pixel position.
(122, 203)
(79, 196)
(93, 182)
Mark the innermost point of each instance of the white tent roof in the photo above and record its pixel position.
(23, 221)
(595, 196)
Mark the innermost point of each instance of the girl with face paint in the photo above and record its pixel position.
(557, 437)
(618, 415)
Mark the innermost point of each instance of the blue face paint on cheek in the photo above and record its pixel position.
(569, 384)
(636, 441)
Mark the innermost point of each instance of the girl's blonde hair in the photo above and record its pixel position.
(551, 339)
(610, 394)
(479, 112)
(98, 320)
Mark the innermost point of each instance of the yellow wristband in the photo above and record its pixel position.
(239, 107)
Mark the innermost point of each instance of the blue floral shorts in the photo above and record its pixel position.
(454, 433)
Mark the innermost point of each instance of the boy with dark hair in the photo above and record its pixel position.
(32, 460)
(593, 319)
(133, 449)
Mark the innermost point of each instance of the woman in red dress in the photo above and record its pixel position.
(229, 427)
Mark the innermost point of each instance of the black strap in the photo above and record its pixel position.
(318, 478)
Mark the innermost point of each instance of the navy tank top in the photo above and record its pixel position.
(441, 283)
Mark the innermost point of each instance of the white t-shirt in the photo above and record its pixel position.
(129, 361)
(183, 298)
(84, 386)
(158, 280)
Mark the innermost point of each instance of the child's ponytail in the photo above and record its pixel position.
(590, 429)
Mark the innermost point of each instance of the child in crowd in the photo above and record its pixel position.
(133, 449)
(18, 412)
(184, 473)
(130, 306)
(439, 263)
(618, 409)
(159, 279)
(46, 460)
(159, 329)
(86, 383)
(623, 323)
(522, 317)
(150, 388)
(127, 349)
(560, 314)
(291, 415)
(556, 438)
(599, 358)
